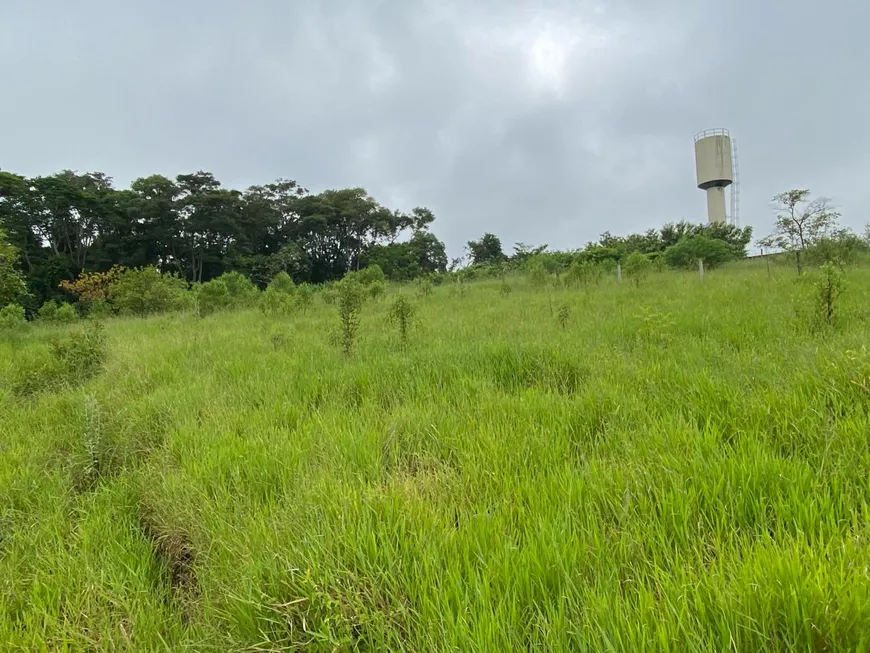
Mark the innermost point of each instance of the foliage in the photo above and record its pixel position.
(276, 302)
(283, 283)
(376, 289)
(69, 225)
(329, 294)
(690, 249)
(241, 290)
(91, 286)
(828, 290)
(537, 271)
(370, 274)
(486, 250)
(800, 222)
(304, 296)
(402, 314)
(840, 246)
(12, 317)
(279, 298)
(145, 291)
(63, 313)
(422, 254)
(350, 296)
(12, 284)
(213, 296)
(637, 267)
(98, 309)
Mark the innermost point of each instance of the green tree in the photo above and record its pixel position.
(143, 291)
(12, 284)
(486, 250)
(690, 249)
(800, 222)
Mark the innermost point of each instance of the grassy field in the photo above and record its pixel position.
(682, 466)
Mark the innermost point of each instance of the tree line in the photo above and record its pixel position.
(65, 224)
(676, 244)
(59, 228)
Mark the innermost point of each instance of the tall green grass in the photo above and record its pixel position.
(681, 466)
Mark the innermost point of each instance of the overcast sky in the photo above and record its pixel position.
(541, 121)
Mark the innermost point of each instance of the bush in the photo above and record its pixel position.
(402, 315)
(350, 295)
(537, 271)
(144, 291)
(241, 290)
(844, 248)
(213, 296)
(370, 274)
(377, 289)
(689, 249)
(283, 282)
(12, 317)
(279, 295)
(98, 308)
(276, 302)
(91, 286)
(637, 267)
(304, 296)
(66, 313)
(48, 311)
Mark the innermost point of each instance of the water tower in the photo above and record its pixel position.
(716, 168)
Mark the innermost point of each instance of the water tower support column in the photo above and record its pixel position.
(716, 204)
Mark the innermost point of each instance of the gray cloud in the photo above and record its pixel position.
(542, 121)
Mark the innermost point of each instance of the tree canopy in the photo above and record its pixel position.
(68, 223)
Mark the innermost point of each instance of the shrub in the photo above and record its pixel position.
(144, 291)
(278, 298)
(376, 289)
(12, 317)
(583, 272)
(687, 252)
(48, 311)
(350, 295)
(276, 302)
(828, 290)
(213, 296)
(98, 308)
(283, 282)
(370, 274)
(241, 290)
(637, 267)
(537, 272)
(402, 314)
(844, 247)
(51, 311)
(304, 296)
(91, 286)
(66, 313)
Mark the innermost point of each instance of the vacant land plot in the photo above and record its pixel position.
(673, 466)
